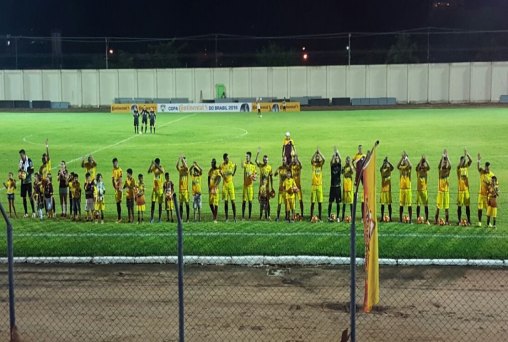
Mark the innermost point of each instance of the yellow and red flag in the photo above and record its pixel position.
(370, 232)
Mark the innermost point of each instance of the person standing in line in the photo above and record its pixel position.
(10, 186)
(249, 176)
(100, 204)
(443, 194)
(485, 179)
(296, 170)
(347, 196)
(157, 191)
(144, 119)
(405, 198)
(422, 197)
(196, 172)
(316, 196)
(214, 178)
(116, 179)
(386, 188)
(135, 115)
(63, 187)
(282, 172)
(463, 196)
(228, 171)
(152, 117)
(169, 190)
(25, 172)
(265, 172)
(335, 194)
(183, 172)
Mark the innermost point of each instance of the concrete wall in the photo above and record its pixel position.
(412, 83)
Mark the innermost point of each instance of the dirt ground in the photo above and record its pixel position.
(234, 303)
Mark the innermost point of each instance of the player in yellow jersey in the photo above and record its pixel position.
(90, 165)
(183, 185)
(347, 187)
(45, 168)
(10, 186)
(422, 196)
(288, 148)
(249, 176)
(282, 173)
(196, 172)
(228, 170)
(485, 179)
(214, 178)
(493, 194)
(357, 162)
(443, 194)
(116, 176)
(290, 189)
(386, 188)
(405, 199)
(296, 171)
(140, 197)
(463, 196)
(265, 173)
(157, 192)
(316, 195)
(169, 190)
(129, 185)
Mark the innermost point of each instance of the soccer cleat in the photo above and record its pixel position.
(479, 224)
(490, 225)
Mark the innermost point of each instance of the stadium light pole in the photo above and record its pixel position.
(106, 51)
(349, 50)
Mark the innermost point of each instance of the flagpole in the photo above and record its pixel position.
(352, 253)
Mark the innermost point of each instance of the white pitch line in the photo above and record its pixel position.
(254, 234)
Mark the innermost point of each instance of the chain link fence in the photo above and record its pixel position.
(426, 45)
(250, 298)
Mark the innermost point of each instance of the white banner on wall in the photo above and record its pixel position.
(203, 107)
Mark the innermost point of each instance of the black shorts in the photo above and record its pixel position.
(335, 195)
(152, 122)
(136, 122)
(144, 121)
(26, 189)
(10, 197)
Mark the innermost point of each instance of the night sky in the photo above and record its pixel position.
(254, 18)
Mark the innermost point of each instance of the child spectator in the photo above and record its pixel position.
(140, 198)
(493, 194)
(100, 206)
(76, 197)
(10, 185)
(38, 194)
(48, 196)
(130, 184)
(169, 189)
(196, 171)
(89, 196)
(263, 198)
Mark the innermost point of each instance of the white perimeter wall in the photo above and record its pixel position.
(412, 83)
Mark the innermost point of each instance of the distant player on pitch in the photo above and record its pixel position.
(183, 185)
(152, 117)
(144, 119)
(443, 194)
(464, 197)
(422, 196)
(405, 199)
(135, 115)
(316, 196)
(157, 192)
(485, 179)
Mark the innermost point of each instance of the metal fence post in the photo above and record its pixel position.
(10, 270)
(352, 266)
(181, 316)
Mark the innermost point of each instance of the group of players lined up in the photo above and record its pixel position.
(146, 115)
(40, 193)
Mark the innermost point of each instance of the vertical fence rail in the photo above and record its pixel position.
(10, 271)
(181, 306)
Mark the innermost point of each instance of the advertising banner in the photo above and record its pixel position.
(129, 107)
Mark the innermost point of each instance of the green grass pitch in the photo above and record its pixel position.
(203, 136)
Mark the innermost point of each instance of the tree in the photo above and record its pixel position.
(402, 51)
(165, 55)
(274, 55)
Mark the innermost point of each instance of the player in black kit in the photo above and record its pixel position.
(135, 114)
(144, 119)
(152, 116)
(335, 190)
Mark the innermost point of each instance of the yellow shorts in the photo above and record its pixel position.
(316, 194)
(443, 200)
(422, 197)
(183, 196)
(386, 197)
(405, 198)
(157, 196)
(228, 191)
(482, 202)
(100, 205)
(463, 198)
(169, 204)
(141, 207)
(213, 199)
(347, 197)
(290, 203)
(248, 193)
(282, 197)
(492, 212)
